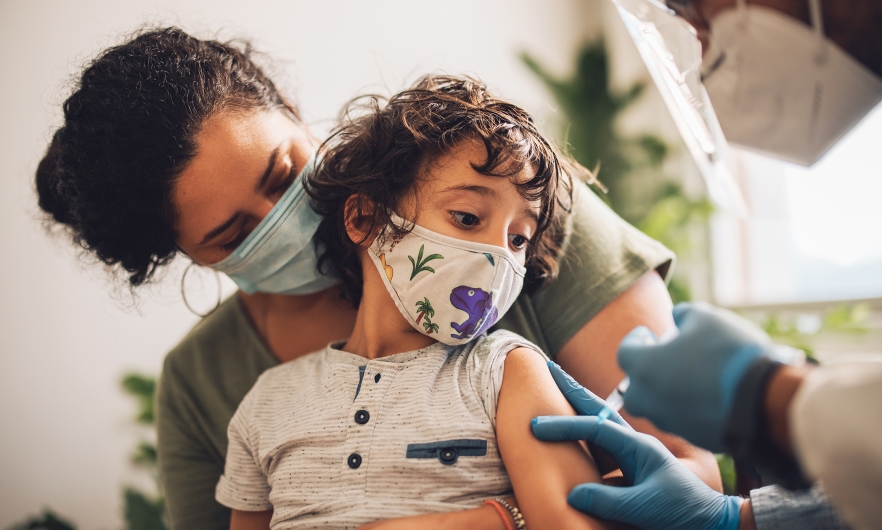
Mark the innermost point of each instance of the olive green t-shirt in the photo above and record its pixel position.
(206, 376)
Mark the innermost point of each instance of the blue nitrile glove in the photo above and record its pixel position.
(664, 494)
(686, 385)
(581, 399)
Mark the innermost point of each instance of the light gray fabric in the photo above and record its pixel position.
(292, 436)
(776, 508)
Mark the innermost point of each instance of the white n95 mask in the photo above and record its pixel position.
(279, 255)
(448, 289)
(781, 87)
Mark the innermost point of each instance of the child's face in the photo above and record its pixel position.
(455, 200)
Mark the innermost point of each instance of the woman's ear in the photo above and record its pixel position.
(359, 220)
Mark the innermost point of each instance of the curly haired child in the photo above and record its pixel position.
(438, 205)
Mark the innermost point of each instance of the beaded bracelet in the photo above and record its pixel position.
(515, 514)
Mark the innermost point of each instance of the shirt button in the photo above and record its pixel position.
(362, 417)
(354, 460)
(377, 378)
(448, 456)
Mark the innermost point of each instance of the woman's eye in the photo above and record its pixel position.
(518, 241)
(465, 220)
(232, 245)
(283, 186)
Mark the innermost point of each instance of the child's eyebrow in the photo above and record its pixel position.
(532, 214)
(483, 191)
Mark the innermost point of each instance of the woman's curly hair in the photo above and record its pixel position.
(129, 130)
(384, 146)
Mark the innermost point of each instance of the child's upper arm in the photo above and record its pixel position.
(542, 473)
(241, 520)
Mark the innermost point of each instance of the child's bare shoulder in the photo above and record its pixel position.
(501, 343)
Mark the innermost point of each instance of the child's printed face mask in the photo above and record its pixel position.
(449, 289)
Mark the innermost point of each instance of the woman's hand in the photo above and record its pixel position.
(483, 518)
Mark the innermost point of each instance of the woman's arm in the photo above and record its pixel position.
(542, 473)
(242, 520)
(188, 466)
(590, 357)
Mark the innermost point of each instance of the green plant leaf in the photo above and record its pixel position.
(143, 389)
(139, 385)
(47, 521)
(143, 513)
(145, 455)
(727, 472)
(847, 319)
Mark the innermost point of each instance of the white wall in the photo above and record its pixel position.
(65, 426)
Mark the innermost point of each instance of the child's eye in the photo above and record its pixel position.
(464, 220)
(518, 241)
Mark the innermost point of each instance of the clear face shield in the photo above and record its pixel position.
(672, 52)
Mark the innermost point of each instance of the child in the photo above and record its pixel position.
(437, 206)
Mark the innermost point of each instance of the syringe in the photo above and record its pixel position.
(616, 400)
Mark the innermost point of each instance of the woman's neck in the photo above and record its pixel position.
(380, 329)
(293, 325)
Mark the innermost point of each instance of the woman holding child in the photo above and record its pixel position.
(173, 144)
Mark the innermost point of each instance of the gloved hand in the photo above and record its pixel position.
(586, 404)
(686, 385)
(664, 495)
(581, 399)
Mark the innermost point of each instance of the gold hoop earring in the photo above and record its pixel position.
(184, 293)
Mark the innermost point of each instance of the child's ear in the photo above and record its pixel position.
(358, 218)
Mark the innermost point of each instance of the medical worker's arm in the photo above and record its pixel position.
(542, 474)
(835, 422)
(590, 357)
(776, 508)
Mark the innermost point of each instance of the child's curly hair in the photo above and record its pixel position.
(382, 147)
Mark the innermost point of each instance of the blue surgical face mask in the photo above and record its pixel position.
(279, 256)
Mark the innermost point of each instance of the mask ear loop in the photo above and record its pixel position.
(184, 292)
(818, 26)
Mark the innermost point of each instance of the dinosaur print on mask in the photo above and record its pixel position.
(478, 304)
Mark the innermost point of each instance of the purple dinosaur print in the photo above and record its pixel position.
(479, 306)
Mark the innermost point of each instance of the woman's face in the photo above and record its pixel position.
(244, 163)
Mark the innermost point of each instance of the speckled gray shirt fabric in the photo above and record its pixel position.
(293, 437)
